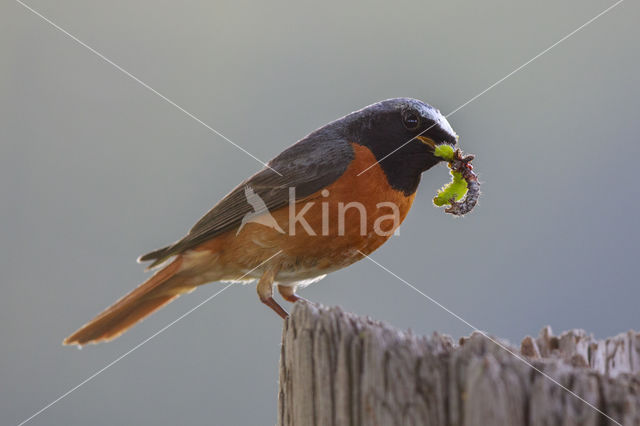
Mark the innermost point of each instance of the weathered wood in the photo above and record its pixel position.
(340, 369)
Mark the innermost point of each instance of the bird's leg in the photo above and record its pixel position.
(288, 293)
(265, 291)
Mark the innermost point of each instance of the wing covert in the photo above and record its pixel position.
(309, 165)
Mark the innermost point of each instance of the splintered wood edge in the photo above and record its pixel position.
(340, 368)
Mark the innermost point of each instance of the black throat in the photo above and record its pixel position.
(402, 157)
(404, 169)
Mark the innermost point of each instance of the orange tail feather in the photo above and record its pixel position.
(157, 291)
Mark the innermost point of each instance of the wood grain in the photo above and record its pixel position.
(340, 369)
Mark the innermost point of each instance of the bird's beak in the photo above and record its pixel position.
(427, 141)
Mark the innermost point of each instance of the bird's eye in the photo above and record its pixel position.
(411, 120)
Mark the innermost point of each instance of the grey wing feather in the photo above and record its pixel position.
(309, 165)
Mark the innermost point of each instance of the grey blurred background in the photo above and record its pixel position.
(95, 170)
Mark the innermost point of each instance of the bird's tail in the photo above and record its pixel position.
(164, 286)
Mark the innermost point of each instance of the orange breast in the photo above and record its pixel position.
(323, 232)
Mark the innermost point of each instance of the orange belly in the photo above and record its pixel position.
(354, 215)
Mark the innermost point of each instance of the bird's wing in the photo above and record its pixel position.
(308, 166)
(255, 201)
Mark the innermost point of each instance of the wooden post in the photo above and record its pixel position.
(340, 369)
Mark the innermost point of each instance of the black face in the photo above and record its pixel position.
(390, 129)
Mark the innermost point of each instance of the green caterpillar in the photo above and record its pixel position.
(457, 188)
(444, 151)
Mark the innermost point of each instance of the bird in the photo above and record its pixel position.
(338, 194)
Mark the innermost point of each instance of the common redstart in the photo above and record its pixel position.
(322, 204)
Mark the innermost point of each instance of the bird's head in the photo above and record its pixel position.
(401, 133)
